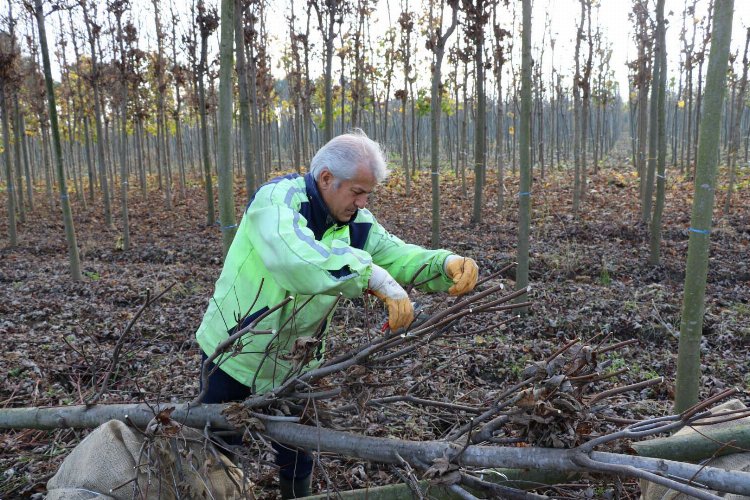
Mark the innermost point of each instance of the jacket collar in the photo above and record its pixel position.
(321, 216)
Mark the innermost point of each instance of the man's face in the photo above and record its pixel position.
(344, 197)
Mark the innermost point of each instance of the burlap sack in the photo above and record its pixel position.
(735, 461)
(117, 462)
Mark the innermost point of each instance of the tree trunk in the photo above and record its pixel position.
(328, 34)
(660, 65)
(244, 103)
(696, 271)
(435, 98)
(577, 116)
(499, 162)
(26, 164)
(384, 450)
(697, 446)
(734, 144)
(118, 11)
(11, 203)
(464, 140)
(89, 158)
(524, 195)
(70, 233)
(138, 133)
(226, 191)
(103, 180)
(20, 204)
(46, 160)
(480, 127)
(648, 179)
(255, 133)
(586, 100)
(205, 147)
(407, 24)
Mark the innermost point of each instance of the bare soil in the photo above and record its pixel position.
(590, 277)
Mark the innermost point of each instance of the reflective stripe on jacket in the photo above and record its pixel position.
(288, 245)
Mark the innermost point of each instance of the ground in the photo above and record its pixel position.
(590, 278)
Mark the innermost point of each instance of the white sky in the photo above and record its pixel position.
(611, 15)
(563, 16)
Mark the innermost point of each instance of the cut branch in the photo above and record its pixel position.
(382, 449)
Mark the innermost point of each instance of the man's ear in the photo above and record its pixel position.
(325, 179)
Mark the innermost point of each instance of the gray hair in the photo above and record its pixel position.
(343, 154)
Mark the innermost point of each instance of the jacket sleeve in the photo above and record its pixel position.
(403, 260)
(288, 248)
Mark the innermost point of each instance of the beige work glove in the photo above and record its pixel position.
(463, 271)
(383, 286)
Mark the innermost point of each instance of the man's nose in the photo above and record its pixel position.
(360, 201)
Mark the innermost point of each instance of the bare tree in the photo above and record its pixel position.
(207, 21)
(499, 61)
(436, 43)
(734, 142)
(477, 18)
(8, 58)
(406, 22)
(524, 144)
(246, 126)
(660, 80)
(696, 271)
(226, 184)
(70, 234)
(162, 149)
(329, 14)
(117, 8)
(93, 30)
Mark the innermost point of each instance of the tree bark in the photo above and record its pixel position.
(70, 232)
(226, 191)
(661, 125)
(524, 195)
(653, 134)
(206, 23)
(123, 129)
(377, 449)
(244, 102)
(435, 99)
(709, 442)
(480, 126)
(696, 271)
(11, 203)
(734, 143)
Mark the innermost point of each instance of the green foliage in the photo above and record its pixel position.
(93, 275)
(604, 277)
(618, 363)
(517, 367)
(422, 104)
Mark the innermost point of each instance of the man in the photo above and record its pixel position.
(311, 238)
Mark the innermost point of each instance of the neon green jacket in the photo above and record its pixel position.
(288, 245)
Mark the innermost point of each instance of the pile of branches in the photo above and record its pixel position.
(552, 419)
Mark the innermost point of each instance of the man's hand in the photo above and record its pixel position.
(463, 271)
(383, 286)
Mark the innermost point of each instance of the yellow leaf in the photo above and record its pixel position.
(680, 104)
(511, 130)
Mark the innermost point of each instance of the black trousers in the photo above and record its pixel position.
(293, 462)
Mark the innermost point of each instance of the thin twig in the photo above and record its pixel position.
(121, 341)
(585, 461)
(626, 388)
